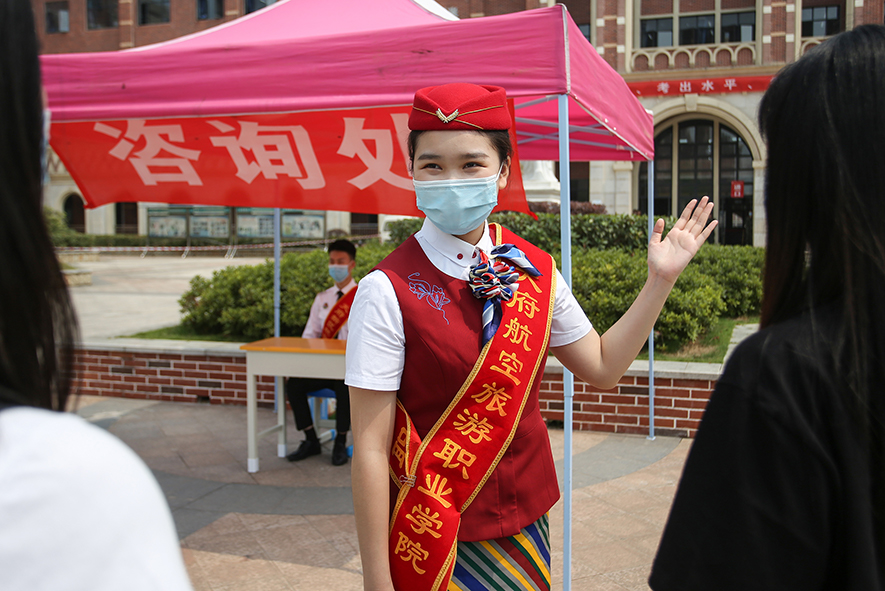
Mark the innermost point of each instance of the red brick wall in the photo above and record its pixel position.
(679, 405)
(580, 11)
(221, 379)
(182, 21)
(731, 4)
(686, 6)
(172, 377)
(652, 7)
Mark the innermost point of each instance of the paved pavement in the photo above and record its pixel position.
(290, 526)
(130, 294)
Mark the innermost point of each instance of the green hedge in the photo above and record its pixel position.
(738, 269)
(238, 301)
(628, 232)
(605, 283)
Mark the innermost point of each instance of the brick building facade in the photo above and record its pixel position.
(701, 66)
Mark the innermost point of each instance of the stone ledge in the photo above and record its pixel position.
(639, 368)
(76, 257)
(663, 369)
(77, 277)
(160, 346)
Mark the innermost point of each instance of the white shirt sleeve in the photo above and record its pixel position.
(376, 344)
(314, 327)
(569, 321)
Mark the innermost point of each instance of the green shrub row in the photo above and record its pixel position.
(605, 283)
(238, 301)
(738, 270)
(628, 232)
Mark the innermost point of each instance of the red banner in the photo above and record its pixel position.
(700, 86)
(348, 160)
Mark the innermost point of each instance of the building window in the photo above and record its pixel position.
(253, 5)
(708, 157)
(126, 215)
(57, 17)
(363, 224)
(695, 160)
(820, 21)
(702, 25)
(210, 9)
(74, 214)
(585, 30)
(735, 164)
(152, 12)
(101, 14)
(656, 32)
(738, 27)
(663, 176)
(697, 30)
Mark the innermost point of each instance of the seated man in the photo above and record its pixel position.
(328, 319)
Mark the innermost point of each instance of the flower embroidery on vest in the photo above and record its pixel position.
(434, 294)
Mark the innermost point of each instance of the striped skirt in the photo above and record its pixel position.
(515, 563)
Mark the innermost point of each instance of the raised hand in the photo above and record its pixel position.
(668, 257)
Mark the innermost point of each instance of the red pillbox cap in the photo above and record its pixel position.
(460, 106)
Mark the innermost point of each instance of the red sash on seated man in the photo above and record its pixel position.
(338, 315)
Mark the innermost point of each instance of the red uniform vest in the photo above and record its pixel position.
(443, 326)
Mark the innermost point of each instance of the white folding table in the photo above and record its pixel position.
(285, 357)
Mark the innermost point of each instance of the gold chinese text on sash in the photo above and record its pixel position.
(338, 315)
(440, 476)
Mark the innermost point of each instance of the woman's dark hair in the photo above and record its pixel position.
(824, 121)
(37, 323)
(500, 140)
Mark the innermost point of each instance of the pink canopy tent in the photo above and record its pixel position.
(300, 55)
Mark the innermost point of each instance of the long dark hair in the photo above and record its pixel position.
(824, 122)
(37, 324)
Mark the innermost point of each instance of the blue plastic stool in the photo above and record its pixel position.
(319, 404)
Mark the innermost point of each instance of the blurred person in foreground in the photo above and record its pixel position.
(784, 487)
(78, 509)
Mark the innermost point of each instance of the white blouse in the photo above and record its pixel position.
(376, 344)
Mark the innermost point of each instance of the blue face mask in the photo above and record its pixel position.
(458, 206)
(338, 273)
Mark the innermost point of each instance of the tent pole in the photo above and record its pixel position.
(568, 380)
(276, 300)
(651, 335)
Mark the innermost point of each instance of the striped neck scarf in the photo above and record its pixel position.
(495, 281)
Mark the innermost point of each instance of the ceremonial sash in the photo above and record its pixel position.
(338, 315)
(440, 476)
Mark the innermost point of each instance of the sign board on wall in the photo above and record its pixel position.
(737, 189)
(210, 222)
(257, 222)
(167, 223)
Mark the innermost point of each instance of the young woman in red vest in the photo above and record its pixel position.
(452, 469)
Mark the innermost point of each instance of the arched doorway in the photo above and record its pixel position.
(696, 157)
(74, 214)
